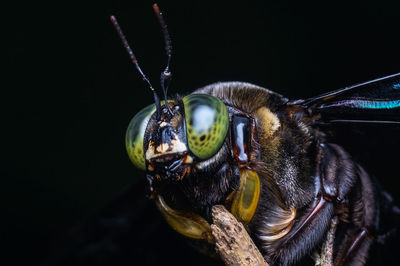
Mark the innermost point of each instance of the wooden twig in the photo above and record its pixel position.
(326, 256)
(232, 241)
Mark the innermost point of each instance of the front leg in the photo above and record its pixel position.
(288, 236)
(335, 175)
(281, 238)
(253, 180)
(245, 198)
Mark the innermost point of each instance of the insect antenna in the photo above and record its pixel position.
(135, 62)
(166, 74)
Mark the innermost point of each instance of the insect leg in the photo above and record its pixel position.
(245, 199)
(256, 182)
(362, 221)
(241, 138)
(356, 249)
(334, 177)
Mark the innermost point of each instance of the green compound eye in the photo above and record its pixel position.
(207, 122)
(134, 136)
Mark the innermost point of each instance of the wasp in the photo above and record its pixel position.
(270, 160)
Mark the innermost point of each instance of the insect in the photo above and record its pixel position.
(268, 159)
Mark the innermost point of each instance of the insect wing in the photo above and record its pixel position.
(372, 102)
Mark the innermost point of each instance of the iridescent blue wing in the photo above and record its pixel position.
(373, 102)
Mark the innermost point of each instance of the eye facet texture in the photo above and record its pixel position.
(207, 123)
(135, 134)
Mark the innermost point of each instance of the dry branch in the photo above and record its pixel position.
(232, 241)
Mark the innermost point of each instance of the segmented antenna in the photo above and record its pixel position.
(166, 74)
(135, 62)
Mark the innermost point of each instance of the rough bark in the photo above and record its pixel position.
(232, 240)
(326, 256)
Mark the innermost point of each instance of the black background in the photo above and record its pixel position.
(69, 90)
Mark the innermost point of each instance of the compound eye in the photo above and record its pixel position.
(207, 123)
(135, 134)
